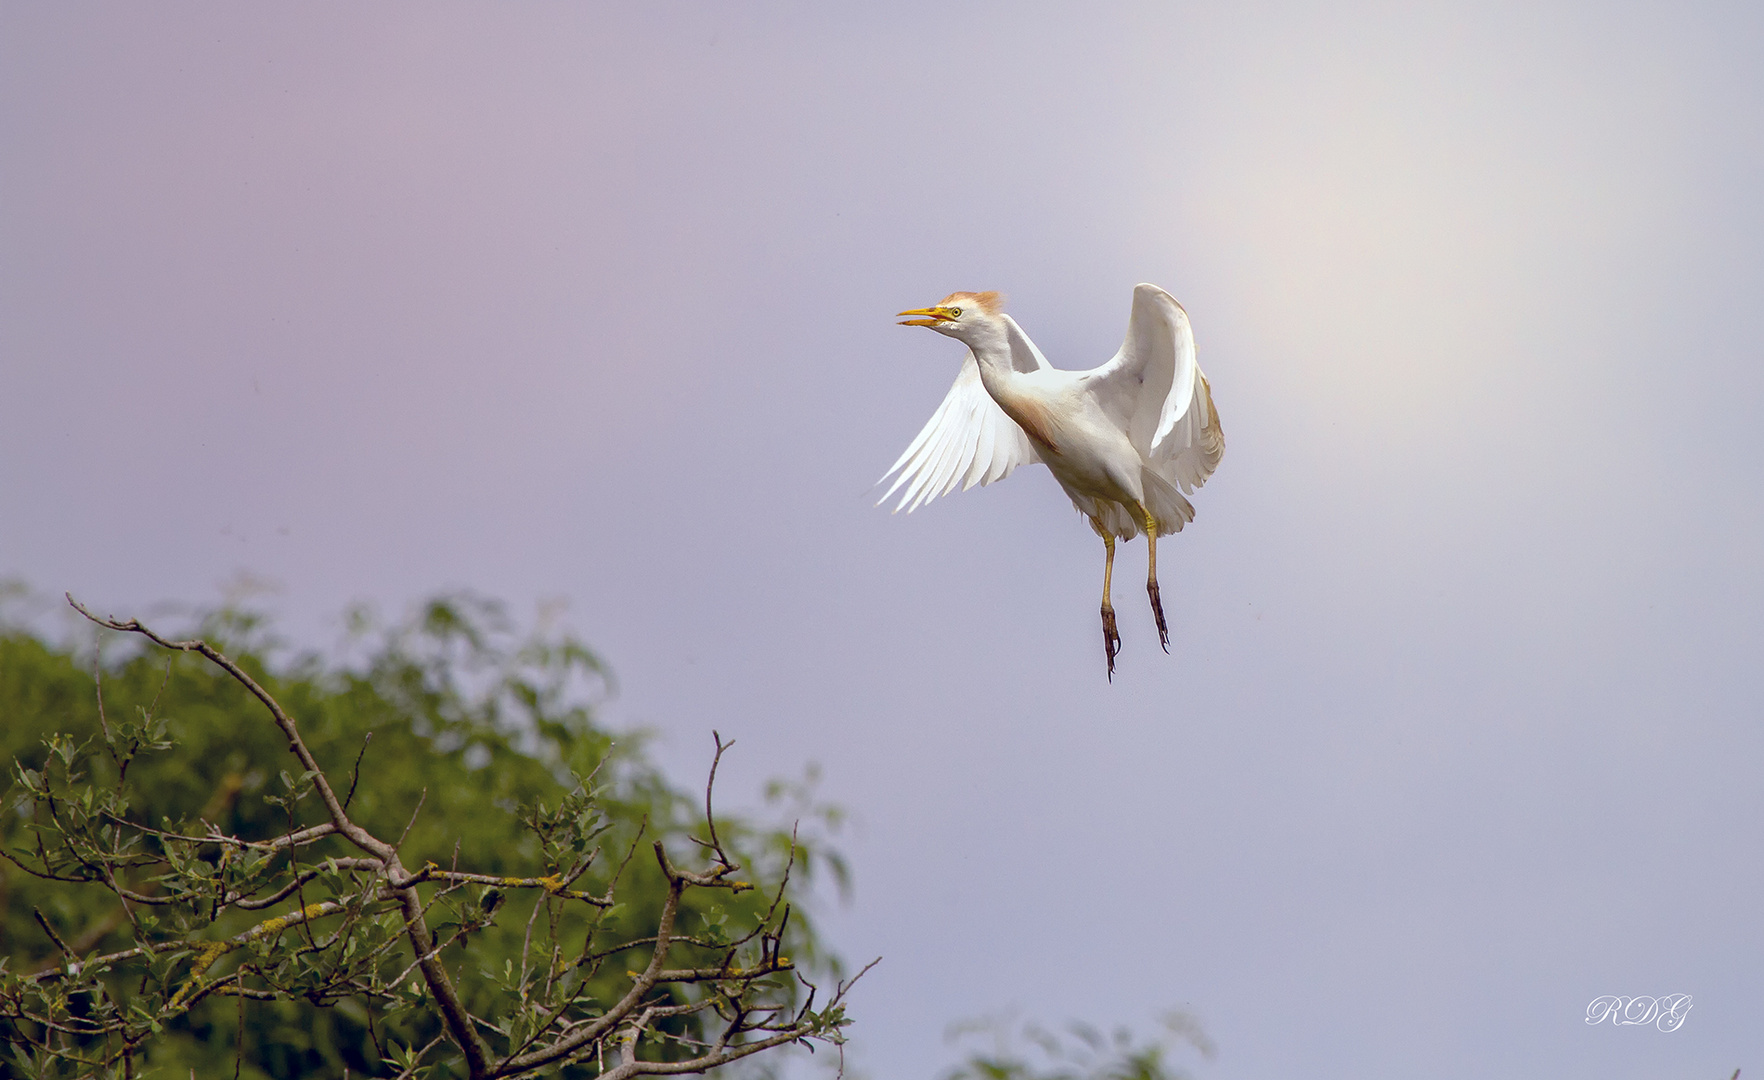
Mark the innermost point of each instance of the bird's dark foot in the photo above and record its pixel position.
(1111, 639)
(1158, 611)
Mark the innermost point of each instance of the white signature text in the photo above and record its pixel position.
(1665, 1013)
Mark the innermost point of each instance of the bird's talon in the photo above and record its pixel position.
(1111, 639)
(1158, 612)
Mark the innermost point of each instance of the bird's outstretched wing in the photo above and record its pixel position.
(969, 440)
(1155, 390)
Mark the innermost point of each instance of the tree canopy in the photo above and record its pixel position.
(176, 895)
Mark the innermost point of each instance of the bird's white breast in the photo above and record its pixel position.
(1084, 449)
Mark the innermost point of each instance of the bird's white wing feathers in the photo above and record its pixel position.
(969, 440)
(1155, 390)
(1025, 357)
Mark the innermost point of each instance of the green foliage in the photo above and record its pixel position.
(469, 748)
(1084, 1052)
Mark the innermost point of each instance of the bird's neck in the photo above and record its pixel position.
(992, 352)
(1008, 387)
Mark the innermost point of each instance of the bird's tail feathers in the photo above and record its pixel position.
(1166, 503)
(1161, 497)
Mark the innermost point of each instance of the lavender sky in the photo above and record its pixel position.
(1461, 725)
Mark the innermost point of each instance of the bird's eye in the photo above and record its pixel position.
(955, 312)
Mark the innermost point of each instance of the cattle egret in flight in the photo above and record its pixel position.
(1126, 440)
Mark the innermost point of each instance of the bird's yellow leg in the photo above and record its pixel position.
(1111, 638)
(1151, 572)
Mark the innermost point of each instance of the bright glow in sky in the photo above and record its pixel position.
(1461, 729)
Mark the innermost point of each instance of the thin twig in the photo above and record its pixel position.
(355, 772)
(56, 938)
(710, 820)
(98, 691)
(421, 799)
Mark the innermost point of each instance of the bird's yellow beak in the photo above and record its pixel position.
(934, 315)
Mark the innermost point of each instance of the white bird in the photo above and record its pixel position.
(1126, 440)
